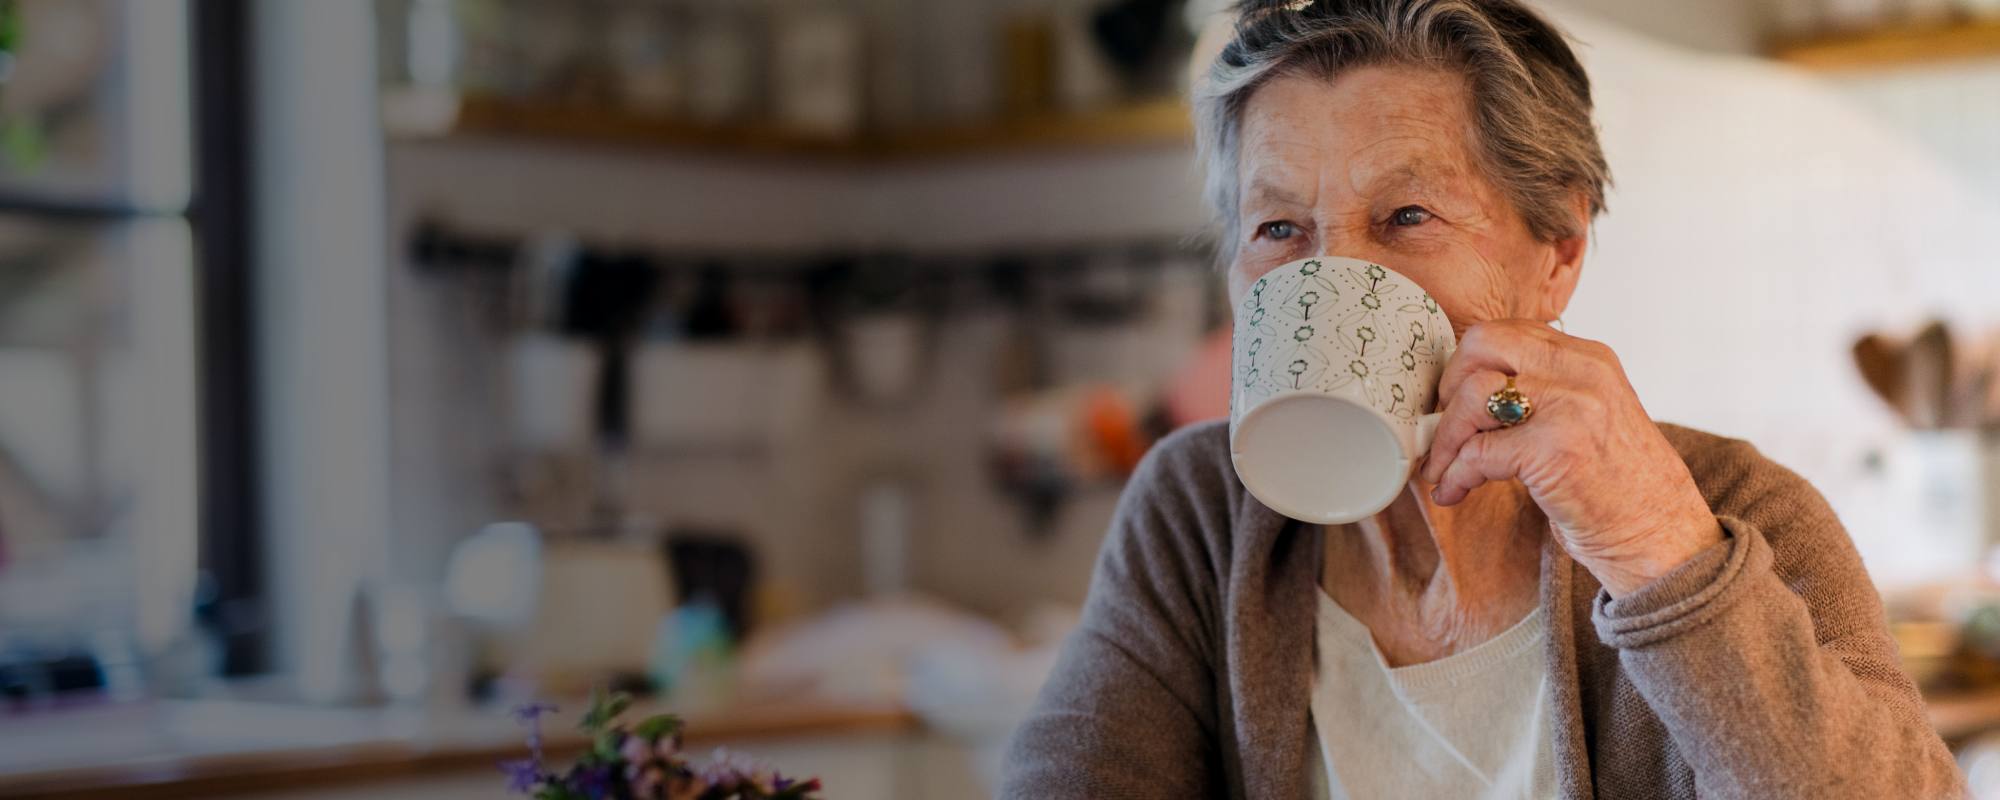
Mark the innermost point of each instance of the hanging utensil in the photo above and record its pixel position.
(1990, 414)
(606, 300)
(1882, 367)
(1929, 375)
(880, 321)
(1971, 382)
(1020, 361)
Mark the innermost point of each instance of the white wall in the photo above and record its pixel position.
(1762, 220)
(1949, 111)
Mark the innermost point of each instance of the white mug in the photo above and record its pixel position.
(1335, 380)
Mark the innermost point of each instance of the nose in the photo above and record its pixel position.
(1347, 242)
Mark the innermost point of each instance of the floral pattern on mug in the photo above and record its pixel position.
(1307, 369)
(1381, 329)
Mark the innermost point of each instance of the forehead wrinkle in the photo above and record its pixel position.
(1415, 175)
(1422, 134)
(1416, 159)
(1412, 140)
(1269, 168)
(1271, 171)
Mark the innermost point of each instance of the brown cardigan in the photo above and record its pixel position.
(1761, 669)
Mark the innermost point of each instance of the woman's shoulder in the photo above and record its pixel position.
(1189, 470)
(1195, 454)
(1185, 489)
(1739, 481)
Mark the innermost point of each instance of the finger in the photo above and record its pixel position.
(1486, 457)
(1511, 347)
(1465, 415)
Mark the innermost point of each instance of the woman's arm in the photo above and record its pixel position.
(1768, 658)
(1129, 710)
(1741, 608)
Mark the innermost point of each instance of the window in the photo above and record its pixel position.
(99, 366)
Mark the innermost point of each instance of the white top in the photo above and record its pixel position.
(1470, 725)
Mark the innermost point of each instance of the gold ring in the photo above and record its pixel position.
(1508, 406)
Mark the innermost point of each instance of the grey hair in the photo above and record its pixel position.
(1530, 96)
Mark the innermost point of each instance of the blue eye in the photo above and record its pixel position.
(1280, 230)
(1409, 216)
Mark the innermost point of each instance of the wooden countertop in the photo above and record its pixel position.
(178, 751)
(222, 749)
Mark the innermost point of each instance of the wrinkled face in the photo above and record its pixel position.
(1379, 164)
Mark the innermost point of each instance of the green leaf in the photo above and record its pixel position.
(604, 708)
(605, 748)
(655, 728)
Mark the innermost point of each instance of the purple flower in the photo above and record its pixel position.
(645, 761)
(522, 774)
(779, 784)
(647, 778)
(593, 782)
(531, 716)
(634, 751)
(730, 770)
(533, 712)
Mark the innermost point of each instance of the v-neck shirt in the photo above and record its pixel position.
(1472, 725)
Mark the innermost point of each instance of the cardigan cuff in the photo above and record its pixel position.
(1689, 595)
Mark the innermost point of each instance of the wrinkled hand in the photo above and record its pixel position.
(1617, 493)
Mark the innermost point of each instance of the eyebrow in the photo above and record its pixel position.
(1412, 175)
(1262, 189)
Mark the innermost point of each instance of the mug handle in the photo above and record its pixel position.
(1427, 428)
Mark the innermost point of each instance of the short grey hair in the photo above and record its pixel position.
(1530, 96)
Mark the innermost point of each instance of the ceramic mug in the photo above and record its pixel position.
(1335, 372)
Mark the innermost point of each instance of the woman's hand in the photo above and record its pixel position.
(1615, 489)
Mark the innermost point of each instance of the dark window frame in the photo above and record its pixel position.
(222, 218)
(221, 223)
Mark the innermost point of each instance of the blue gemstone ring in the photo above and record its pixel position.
(1508, 406)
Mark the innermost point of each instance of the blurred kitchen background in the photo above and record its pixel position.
(368, 368)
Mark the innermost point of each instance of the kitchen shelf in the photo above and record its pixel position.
(1963, 715)
(1158, 122)
(1892, 46)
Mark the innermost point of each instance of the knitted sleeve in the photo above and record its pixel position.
(1768, 656)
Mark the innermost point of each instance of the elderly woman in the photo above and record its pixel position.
(1588, 604)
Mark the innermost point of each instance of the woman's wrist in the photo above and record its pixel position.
(1662, 553)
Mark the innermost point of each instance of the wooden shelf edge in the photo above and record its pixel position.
(1962, 715)
(1901, 45)
(236, 774)
(1156, 122)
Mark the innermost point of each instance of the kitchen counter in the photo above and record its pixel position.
(218, 749)
(237, 749)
